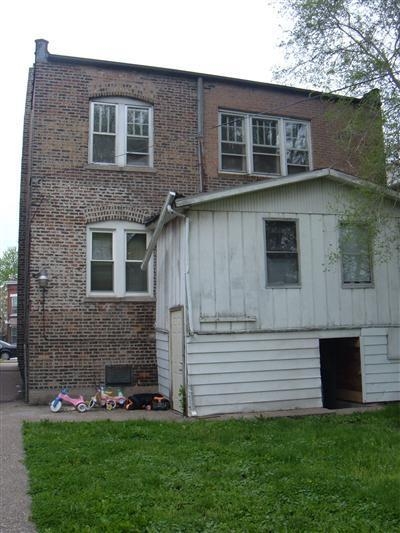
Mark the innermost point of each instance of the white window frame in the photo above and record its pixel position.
(282, 285)
(248, 140)
(121, 106)
(119, 229)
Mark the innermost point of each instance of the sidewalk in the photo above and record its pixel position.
(14, 498)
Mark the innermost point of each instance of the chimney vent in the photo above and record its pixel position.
(41, 51)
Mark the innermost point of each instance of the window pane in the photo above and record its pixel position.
(356, 269)
(296, 170)
(354, 239)
(136, 279)
(233, 148)
(104, 118)
(296, 135)
(281, 236)
(137, 159)
(265, 132)
(232, 128)
(266, 163)
(356, 259)
(235, 163)
(282, 269)
(103, 148)
(101, 276)
(102, 246)
(138, 121)
(297, 157)
(135, 144)
(135, 246)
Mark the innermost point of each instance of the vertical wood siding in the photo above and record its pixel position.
(170, 271)
(227, 264)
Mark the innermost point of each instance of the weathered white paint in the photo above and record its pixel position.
(251, 372)
(176, 356)
(380, 374)
(256, 348)
(170, 271)
(163, 362)
(227, 261)
(394, 343)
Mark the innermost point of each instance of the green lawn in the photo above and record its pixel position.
(326, 474)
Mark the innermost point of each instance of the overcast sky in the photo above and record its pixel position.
(227, 37)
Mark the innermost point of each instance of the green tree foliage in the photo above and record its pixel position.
(9, 265)
(350, 47)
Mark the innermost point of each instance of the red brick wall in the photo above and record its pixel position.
(79, 335)
(326, 150)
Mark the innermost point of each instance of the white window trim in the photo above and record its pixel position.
(288, 285)
(119, 229)
(249, 142)
(121, 105)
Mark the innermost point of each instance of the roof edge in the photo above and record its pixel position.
(43, 55)
(271, 183)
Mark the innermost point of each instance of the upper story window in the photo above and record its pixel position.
(282, 252)
(121, 132)
(115, 253)
(257, 144)
(355, 255)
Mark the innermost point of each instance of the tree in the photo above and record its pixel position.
(352, 47)
(349, 47)
(8, 265)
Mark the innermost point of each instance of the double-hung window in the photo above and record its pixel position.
(256, 144)
(355, 255)
(115, 253)
(282, 252)
(121, 132)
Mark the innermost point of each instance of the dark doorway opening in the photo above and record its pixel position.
(340, 372)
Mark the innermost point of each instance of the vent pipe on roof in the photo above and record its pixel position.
(41, 52)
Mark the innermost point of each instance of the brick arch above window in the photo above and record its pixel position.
(116, 213)
(122, 90)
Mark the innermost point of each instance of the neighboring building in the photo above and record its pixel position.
(104, 143)
(10, 319)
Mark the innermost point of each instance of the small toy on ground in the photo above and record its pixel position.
(155, 402)
(107, 398)
(63, 396)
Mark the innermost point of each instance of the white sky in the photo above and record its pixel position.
(227, 37)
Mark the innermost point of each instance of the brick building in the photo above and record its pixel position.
(104, 142)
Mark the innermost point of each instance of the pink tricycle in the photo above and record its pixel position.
(106, 398)
(79, 403)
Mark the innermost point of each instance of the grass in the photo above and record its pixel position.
(330, 474)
